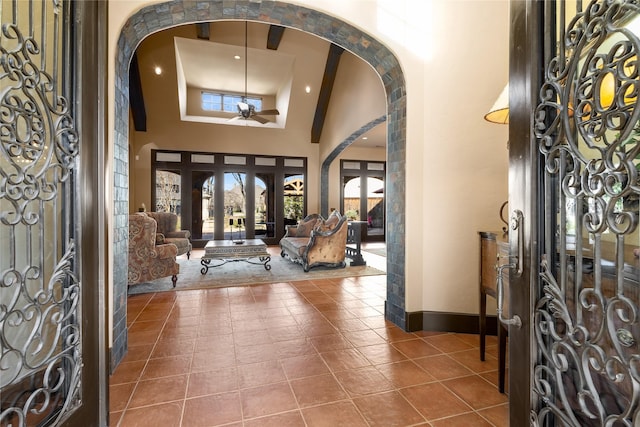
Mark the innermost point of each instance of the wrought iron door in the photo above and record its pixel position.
(45, 355)
(581, 215)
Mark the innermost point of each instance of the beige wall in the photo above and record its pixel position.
(455, 65)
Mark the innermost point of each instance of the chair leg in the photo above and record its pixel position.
(483, 322)
(502, 353)
(188, 254)
(174, 279)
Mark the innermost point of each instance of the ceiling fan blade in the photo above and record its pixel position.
(259, 119)
(273, 112)
(233, 119)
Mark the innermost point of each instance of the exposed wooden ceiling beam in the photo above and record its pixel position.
(202, 29)
(275, 36)
(329, 77)
(136, 100)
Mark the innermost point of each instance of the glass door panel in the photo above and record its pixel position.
(168, 188)
(351, 198)
(264, 205)
(375, 206)
(202, 204)
(293, 198)
(235, 204)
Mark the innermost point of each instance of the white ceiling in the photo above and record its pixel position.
(211, 65)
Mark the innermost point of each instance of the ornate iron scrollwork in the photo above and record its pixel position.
(40, 332)
(586, 315)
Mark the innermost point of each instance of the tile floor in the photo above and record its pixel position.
(309, 353)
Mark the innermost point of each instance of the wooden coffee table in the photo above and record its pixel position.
(253, 251)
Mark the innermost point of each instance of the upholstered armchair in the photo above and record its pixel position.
(168, 232)
(316, 241)
(148, 261)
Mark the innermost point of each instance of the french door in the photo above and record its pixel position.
(52, 318)
(224, 196)
(574, 190)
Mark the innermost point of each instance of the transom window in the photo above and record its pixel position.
(227, 102)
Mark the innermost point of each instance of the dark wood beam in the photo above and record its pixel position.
(275, 36)
(329, 77)
(202, 29)
(136, 100)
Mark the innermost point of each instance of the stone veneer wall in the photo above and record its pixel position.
(164, 15)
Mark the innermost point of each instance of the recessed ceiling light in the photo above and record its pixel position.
(158, 70)
(236, 57)
(307, 89)
(365, 137)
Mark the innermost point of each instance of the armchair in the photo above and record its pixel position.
(148, 261)
(316, 241)
(168, 233)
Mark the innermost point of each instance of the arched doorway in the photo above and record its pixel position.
(178, 12)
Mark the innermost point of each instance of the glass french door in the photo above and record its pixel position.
(574, 190)
(52, 333)
(362, 195)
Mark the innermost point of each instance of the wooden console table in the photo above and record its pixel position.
(226, 251)
(494, 251)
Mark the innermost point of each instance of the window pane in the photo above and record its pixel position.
(235, 204)
(293, 197)
(168, 192)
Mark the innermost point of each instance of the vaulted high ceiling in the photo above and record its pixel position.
(275, 57)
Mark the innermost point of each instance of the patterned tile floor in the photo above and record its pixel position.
(309, 353)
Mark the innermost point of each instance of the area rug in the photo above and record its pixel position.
(242, 273)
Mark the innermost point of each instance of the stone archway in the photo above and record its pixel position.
(160, 16)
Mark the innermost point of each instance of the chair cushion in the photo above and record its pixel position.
(294, 245)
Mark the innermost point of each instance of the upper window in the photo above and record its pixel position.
(227, 102)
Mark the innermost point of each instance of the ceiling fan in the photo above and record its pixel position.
(245, 110)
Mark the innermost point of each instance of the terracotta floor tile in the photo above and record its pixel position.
(388, 410)
(443, 367)
(363, 381)
(137, 353)
(167, 366)
(309, 353)
(393, 334)
(363, 338)
(448, 343)
(476, 391)
(334, 414)
(497, 415)
(286, 419)
(256, 353)
(330, 342)
(342, 360)
(492, 377)
(205, 361)
(304, 366)
(465, 420)
(434, 401)
(212, 410)
(173, 347)
(165, 415)
(211, 382)
(127, 372)
(296, 347)
(382, 353)
(312, 391)
(267, 400)
(159, 390)
(255, 374)
(405, 373)
(471, 359)
(119, 395)
(416, 348)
